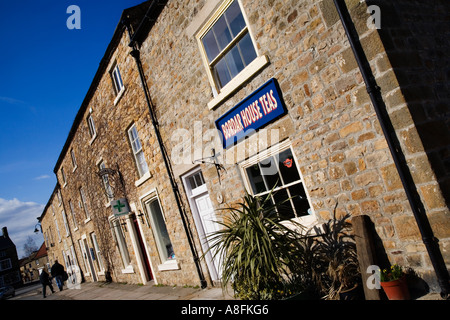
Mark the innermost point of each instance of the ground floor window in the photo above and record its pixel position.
(120, 240)
(276, 169)
(159, 228)
(97, 253)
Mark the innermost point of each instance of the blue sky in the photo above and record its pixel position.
(45, 72)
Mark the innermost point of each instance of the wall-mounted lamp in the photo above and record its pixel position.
(36, 230)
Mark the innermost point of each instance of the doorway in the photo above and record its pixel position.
(88, 258)
(204, 217)
(146, 261)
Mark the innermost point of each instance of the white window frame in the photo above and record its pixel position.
(250, 70)
(143, 172)
(307, 220)
(66, 225)
(121, 243)
(63, 175)
(58, 194)
(74, 219)
(117, 82)
(83, 203)
(91, 128)
(98, 254)
(74, 161)
(166, 264)
(84, 256)
(57, 230)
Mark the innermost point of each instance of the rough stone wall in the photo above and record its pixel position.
(49, 228)
(112, 146)
(334, 131)
(336, 137)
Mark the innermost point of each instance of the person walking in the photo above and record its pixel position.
(58, 273)
(44, 278)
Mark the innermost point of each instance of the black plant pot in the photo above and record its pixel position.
(351, 294)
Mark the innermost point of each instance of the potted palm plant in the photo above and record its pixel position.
(256, 250)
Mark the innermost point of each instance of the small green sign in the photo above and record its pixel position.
(120, 207)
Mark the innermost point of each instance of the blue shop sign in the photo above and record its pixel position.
(257, 110)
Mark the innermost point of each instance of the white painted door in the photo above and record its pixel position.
(204, 218)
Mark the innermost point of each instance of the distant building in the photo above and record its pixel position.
(30, 267)
(9, 262)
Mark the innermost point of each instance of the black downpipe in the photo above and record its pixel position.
(136, 55)
(418, 209)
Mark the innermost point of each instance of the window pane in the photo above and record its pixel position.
(192, 182)
(210, 44)
(234, 61)
(288, 169)
(247, 50)
(255, 178)
(135, 145)
(142, 164)
(91, 126)
(284, 206)
(270, 172)
(221, 73)
(299, 199)
(199, 179)
(119, 78)
(133, 133)
(222, 33)
(160, 231)
(235, 19)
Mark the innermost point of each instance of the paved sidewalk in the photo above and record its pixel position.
(118, 291)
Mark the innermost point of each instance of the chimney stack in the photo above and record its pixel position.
(5, 232)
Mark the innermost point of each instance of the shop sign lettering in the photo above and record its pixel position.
(257, 110)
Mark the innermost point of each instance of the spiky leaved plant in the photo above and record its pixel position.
(335, 253)
(256, 249)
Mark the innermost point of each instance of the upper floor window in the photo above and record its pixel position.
(74, 161)
(91, 126)
(227, 44)
(5, 264)
(116, 79)
(137, 150)
(63, 175)
(83, 204)
(58, 193)
(66, 225)
(72, 211)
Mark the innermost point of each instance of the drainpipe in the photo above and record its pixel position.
(418, 209)
(136, 55)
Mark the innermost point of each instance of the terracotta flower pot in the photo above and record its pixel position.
(397, 289)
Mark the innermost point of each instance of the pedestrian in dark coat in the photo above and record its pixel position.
(44, 278)
(58, 273)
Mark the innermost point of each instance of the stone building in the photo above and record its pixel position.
(57, 234)
(9, 262)
(31, 266)
(249, 95)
